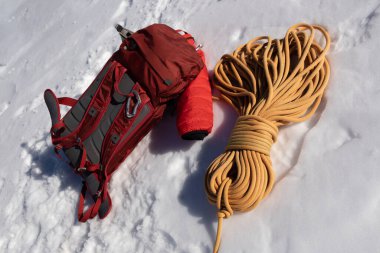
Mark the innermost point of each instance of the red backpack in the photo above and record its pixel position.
(126, 99)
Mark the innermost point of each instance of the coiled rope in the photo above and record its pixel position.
(270, 83)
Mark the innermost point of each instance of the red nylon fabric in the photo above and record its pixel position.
(160, 59)
(67, 101)
(161, 65)
(194, 108)
(92, 211)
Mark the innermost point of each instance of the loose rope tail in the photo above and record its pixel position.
(270, 83)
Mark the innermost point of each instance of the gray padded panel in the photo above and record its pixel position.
(75, 115)
(118, 98)
(86, 100)
(95, 140)
(73, 154)
(52, 106)
(93, 186)
(140, 117)
(78, 112)
(92, 183)
(126, 89)
(97, 135)
(71, 121)
(93, 143)
(103, 209)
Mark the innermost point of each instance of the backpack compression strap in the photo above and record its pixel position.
(72, 140)
(118, 91)
(96, 184)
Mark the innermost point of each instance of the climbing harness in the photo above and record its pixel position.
(270, 83)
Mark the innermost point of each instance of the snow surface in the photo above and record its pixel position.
(327, 195)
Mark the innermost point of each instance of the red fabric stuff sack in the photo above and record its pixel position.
(194, 108)
(126, 99)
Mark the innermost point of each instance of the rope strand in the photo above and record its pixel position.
(270, 83)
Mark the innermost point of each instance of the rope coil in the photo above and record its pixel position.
(270, 83)
(253, 133)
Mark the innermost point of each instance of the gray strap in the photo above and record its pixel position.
(52, 105)
(93, 185)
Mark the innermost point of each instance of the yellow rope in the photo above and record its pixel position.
(270, 83)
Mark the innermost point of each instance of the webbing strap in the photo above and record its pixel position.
(83, 156)
(88, 123)
(56, 127)
(93, 210)
(99, 191)
(67, 101)
(85, 165)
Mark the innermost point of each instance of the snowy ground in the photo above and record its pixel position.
(327, 195)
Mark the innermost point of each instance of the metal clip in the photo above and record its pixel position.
(199, 46)
(128, 105)
(124, 32)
